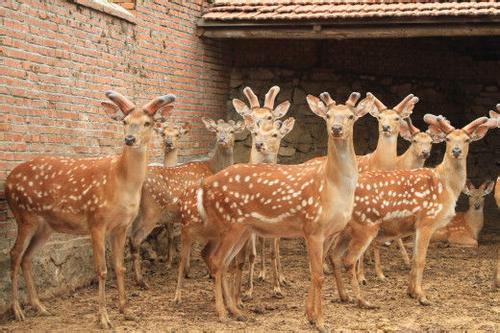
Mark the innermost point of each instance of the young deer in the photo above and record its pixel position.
(266, 139)
(464, 228)
(413, 158)
(164, 186)
(170, 134)
(263, 153)
(96, 196)
(429, 195)
(313, 201)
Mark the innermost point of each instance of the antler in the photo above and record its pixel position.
(494, 121)
(252, 98)
(413, 130)
(475, 123)
(380, 106)
(353, 99)
(438, 122)
(158, 103)
(401, 104)
(326, 98)
(271, 97)
(121, 101)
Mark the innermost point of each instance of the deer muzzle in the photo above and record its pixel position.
(130, 140)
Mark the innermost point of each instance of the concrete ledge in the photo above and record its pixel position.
(61, 266)
(108, 8)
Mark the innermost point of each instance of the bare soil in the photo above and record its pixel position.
(458, 282)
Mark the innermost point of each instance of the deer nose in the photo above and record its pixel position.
(259, 145)
(129, 140)
(426, 154)
(477, 205)
(337, 130)
(386, 128)
(456, 151)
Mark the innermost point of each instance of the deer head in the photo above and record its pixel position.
(138, 122)
(267, 112)
(389, 120)
(171, 133)
(267, 135)
(340, 118)
(476, 195)
(225, 132)
(457, 140)
(421, 142)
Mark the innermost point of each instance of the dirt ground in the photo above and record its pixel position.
(457, 281)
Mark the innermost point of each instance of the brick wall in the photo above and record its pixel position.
(459, 78)
(57, 59)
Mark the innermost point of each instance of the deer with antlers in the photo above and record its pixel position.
(267, 133)
(464, 228)
(285, 201)
(428, 195)
(95, 196)
(494, 122)
(163, 187)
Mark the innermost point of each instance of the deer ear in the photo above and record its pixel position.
(317, 106)
(404, 131)
(468, 187)
(241, 107)
(185, 128)
(112, 110)
(436, 135)
(239, 127)
(487, 187)
(367, 105)
(209, 124)
(479, 133)
(281, 110)
(249, 122)
(407, 108)
(162, 114)
(158, 127)
(287, 126)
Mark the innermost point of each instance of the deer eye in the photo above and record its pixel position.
(269, 118)
(447, 139)
(147, 124)
(125, 122)
(467, 140)
(398, 119)
(351, 117)
(275, 135)
(327, 116)
(232, 132)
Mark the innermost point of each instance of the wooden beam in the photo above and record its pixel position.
(352, 32)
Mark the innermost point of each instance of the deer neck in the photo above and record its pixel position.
(170, 157)
(341, 166)
(385, 154)
(132, 166)
(410, 160)
(453, 174)
(259, 157)
(475, 219)
(222, 158)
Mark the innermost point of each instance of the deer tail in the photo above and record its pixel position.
(199, 205)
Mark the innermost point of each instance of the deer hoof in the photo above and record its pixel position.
(380, 277)
(345, 299)
(424, 301)
(362, 280)
(248, 295)
(18, 312)
(261, 277)
(143, 284)
(322, 328)
(283, 281)
(363, 304)
(278, 294)
(240, 317)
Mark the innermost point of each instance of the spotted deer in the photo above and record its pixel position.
(413, 158)
(427, 194)
(464, 228)
(496, 278)
(285, 201)
(164, 186)
(171, 134)
(266, 138)
(95, 196)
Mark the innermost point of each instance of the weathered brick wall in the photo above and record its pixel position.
(57, 59)
(459, 78)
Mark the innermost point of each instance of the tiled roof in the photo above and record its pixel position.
(261, 10)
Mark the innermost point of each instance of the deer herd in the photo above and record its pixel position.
(341, 204)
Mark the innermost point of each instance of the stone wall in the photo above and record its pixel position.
(57, 59)
(459, 78)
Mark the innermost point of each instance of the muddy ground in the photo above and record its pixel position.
(458, 282)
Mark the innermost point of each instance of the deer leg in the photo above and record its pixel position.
(378, 264)
(496, 277)
(314, 310)
(136, 240)
(207, 250)
(251, 262)
(239, 263)
(186, 243)
(171, 244)
(336, 253)
(276, 283)
(422, 238)
(361, 239)
(25, 232)
(283, 281)
(262, 273)
(98, 238)
(404, 253)
(38, 240)
(117, 240)
(361, 269)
